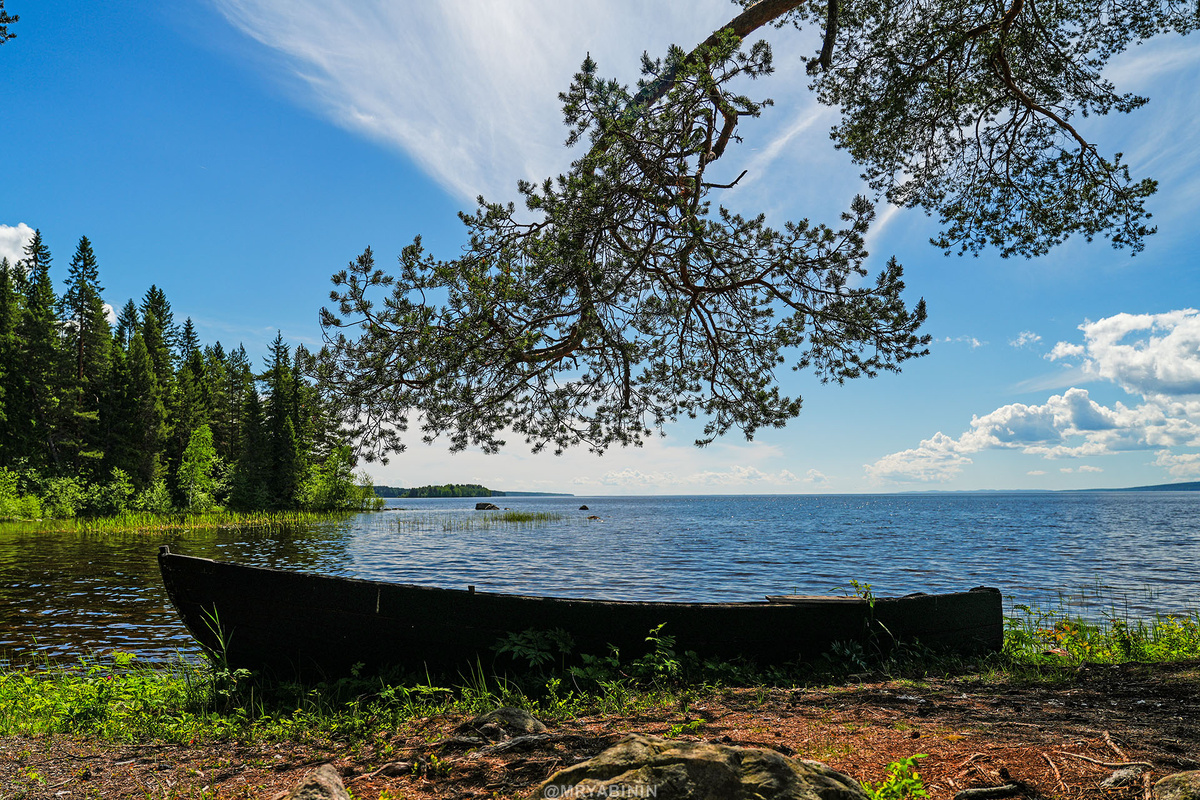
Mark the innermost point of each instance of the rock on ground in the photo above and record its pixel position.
(504, 723)
(647, 766)
(323, 783)
(1180, 786)
(1122, 777)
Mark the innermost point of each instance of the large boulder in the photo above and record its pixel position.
(1180, 786)
(486, 507)
(647, 766)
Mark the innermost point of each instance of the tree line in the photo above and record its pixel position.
(445, 490)
(99, 418)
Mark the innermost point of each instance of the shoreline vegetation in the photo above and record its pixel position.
(458, 490)
(103, 421)
(860, 711)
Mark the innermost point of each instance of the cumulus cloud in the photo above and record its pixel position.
(1025, 339)
(13, 239)
(1180, 465)
(815, 476)
(1152, 356)
(934, 460)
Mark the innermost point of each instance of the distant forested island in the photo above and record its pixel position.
(458, 490)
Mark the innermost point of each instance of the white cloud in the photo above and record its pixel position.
(815, 476)
(968, 340)
(935, 460)
(1036, 472)
(468, 88)
(1180, 465)
(1025, 339)
(1066, 350)
(1154, 356)
(736, 476)
(13, 239)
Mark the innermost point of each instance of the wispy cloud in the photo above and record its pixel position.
(736, 477)
(1025, 339)
(970, 341)
(467, 88)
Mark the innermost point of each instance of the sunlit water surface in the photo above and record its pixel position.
(66, 595)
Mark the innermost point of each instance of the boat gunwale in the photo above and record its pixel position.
(164, 552)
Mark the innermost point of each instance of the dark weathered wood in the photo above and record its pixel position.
(294, 624)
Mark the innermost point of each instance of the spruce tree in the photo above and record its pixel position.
(250, 488)
(40, 356)
(239, 387)
(155, 340)
(187, 413)
(88, 341)
(215, 392)
(127, 323)
(189, 342)
(120, 432)
(286, 448)
(10, 310)
(156, 301)
(148, 428)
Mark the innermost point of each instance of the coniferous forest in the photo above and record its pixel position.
(97, 419)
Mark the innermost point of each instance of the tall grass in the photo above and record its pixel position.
(460, 522)
(140, 521)
(1044, 636)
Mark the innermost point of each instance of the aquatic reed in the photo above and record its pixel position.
(464, 521)
(146, 522)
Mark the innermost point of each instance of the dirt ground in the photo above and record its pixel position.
(1059, 741)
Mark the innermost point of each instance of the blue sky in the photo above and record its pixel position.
(238, 152)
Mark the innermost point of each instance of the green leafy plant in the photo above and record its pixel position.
(690, 727)
(536, 648)
(903, 781)
(661, 664)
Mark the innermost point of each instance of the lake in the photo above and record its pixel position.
(1130, 553)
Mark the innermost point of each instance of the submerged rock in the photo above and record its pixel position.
(486, 507)
(647, 766)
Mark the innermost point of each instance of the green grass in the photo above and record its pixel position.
(1044, 637)
(117, 699)
(136, 521)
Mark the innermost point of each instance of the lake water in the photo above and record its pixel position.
(64, 595)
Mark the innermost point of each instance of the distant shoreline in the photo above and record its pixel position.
(452, 490)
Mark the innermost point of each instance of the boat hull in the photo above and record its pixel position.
(299, 625)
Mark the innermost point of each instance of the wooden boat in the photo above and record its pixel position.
(300, 625)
